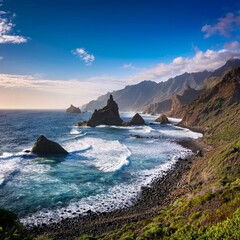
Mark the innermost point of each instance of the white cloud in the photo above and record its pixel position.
(84, 55)
(202, 60)
(60, 93)
(6, 30)
(224, 26)
(1, 58)
(65, 92)
(132, 67)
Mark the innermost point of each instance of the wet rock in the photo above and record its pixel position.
(43, 146)
(162, 119)
(27, 151)
(82, 124)
(109, 115)
(137, 120)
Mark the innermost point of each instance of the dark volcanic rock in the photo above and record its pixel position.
(43, 146)
(162, 119)
(108, 115)
(137, 120)
(73, 109)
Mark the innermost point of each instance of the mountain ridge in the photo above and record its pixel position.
(139, 96)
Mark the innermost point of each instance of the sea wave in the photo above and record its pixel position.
(107, 156)
(118, 197)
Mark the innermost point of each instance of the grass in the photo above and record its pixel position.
(212, 210)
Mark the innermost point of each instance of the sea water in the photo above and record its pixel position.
(105, 170)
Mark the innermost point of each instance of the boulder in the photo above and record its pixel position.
(162, 119)
(137, 120)
(109, 115)
(73, 109)
(43, 146)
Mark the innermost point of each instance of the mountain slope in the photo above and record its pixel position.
(179, 101)
(129, 98)
(160, 107)
(216, 76)
(138, 96)
(206, 200)
(214, 102)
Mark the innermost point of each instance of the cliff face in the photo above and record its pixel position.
(179, 101)
(160, 107)
(211, 106)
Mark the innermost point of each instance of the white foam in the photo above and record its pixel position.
(8, 167)
(174, 121)
(179, 133)
(75, 131)
(76, 145)
(117, 197)
(143, 130)
(107, 156)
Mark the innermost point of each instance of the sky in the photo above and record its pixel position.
(56, 53)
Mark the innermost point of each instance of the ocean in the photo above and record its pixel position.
(105, 170)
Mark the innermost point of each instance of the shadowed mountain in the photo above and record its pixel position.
(210, 107)
(138, 96)
(189, 94)
(179, 101)
(158, 107)
(217, 75)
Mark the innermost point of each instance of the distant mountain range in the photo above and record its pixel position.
(158, 96)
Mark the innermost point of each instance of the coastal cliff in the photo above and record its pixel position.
(198, 198)
(205, 201)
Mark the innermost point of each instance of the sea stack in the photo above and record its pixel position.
(137, 120)
(109, 115)
(44, 146)
(73, 109)
(162, 119)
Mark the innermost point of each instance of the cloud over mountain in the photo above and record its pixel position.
(202, 60)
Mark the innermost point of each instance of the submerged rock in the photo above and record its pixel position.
(73, 109)
(162, 119)
(109, 115)
(43, 146)
(137, 120)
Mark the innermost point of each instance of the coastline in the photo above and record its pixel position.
(163, 191)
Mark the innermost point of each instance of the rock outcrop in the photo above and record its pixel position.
(43, 146)
(178, 101)
(162, 119)
(109, 115)
(73, 109)
(137, 120)
(159, 107)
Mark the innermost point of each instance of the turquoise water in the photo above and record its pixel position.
(105, 170)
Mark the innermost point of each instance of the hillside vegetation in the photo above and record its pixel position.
(211, 207)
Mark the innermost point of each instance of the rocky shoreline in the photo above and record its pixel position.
(162, 192)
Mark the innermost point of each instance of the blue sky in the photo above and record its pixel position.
(108, 44)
